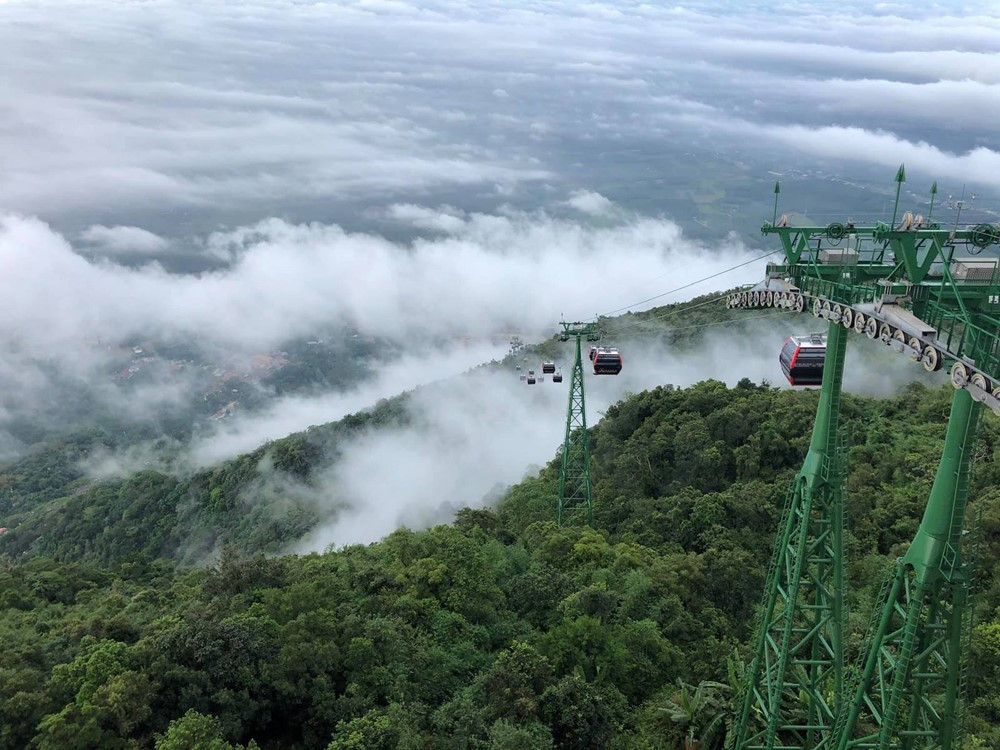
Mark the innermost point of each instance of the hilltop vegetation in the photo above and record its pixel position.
(498, 631)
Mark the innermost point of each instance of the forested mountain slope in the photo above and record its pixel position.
(499, 631)
(258, 502)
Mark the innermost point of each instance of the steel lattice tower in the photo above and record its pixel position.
(796, 674)
(920, 289)
(575, 495)
(914, 652)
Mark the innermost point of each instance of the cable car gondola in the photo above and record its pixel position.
(606, 361)
(531, 380)
(548, 367)
(557, 378)
(802, 359)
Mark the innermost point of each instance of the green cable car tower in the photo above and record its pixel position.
(575, 496)
(930, 293)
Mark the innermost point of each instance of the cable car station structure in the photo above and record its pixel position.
(928, 292)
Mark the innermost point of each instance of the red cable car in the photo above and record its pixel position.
(606, 361)
(802, 359)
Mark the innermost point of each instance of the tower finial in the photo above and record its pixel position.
(900, 179)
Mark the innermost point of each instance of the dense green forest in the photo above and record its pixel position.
(499, 631)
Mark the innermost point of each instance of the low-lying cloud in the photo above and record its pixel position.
(487, 274)
(472, 280)
(475, 434)
(589, 202)
(124, 240)
(289, 414)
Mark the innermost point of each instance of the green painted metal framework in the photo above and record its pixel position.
(930, 293)
(576, 499)
(799, 636)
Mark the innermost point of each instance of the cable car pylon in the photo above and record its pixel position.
(914, 653)
(576, 499)
(795, 681)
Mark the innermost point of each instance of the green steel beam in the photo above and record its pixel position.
(913, 656)
(795, 682)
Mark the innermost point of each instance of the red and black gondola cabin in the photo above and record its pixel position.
(802, 359)
(606, 361)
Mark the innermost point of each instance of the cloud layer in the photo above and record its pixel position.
(486, 274)
(233, 112)
(446, 300)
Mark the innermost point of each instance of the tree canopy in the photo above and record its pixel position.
(498, 631)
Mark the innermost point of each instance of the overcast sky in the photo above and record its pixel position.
(177, 116)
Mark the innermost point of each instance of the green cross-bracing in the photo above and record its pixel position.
(795, 679)
(576, 501)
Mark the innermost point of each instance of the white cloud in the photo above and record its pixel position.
(291, 414)
(936, 101)
(488, 274)
(589, 202)
(491, 273)
(981, 165)
(124, 240)
(445, 219)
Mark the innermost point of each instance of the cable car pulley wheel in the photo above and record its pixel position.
(836, 231)
(931, 359)
(959, 375)
(979, 380)
(984, 235)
